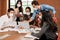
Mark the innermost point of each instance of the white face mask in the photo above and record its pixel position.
(35, 8)
(18, 5)
(21, 13)
(28, 13)
(40, 17)
(10, 15)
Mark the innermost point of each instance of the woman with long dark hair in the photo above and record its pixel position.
(49, 27)
(19, 6)
(18, 10)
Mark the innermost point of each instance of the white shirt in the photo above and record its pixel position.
(4, 20)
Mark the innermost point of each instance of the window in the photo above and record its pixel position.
(25, 3)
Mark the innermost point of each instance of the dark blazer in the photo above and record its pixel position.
(42, 31)
(46, 33)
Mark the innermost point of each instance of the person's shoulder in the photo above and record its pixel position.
(4, 15)
(31, 13)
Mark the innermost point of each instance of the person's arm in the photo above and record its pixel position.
(1, 22)
(48, 7)
(33, 16)
(53, 10)
(42, 31)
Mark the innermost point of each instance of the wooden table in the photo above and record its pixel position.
(14, 36)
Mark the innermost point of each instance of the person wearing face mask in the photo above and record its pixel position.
(7, 17)
(18, 9)
(44, 7)
(48, 28)
(38, 19)
(28, 11)
(28, 14)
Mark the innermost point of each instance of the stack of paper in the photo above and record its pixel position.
(24, 24)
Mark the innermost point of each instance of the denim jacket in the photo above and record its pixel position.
(43, 7)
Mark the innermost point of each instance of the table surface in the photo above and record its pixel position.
(14, 36)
